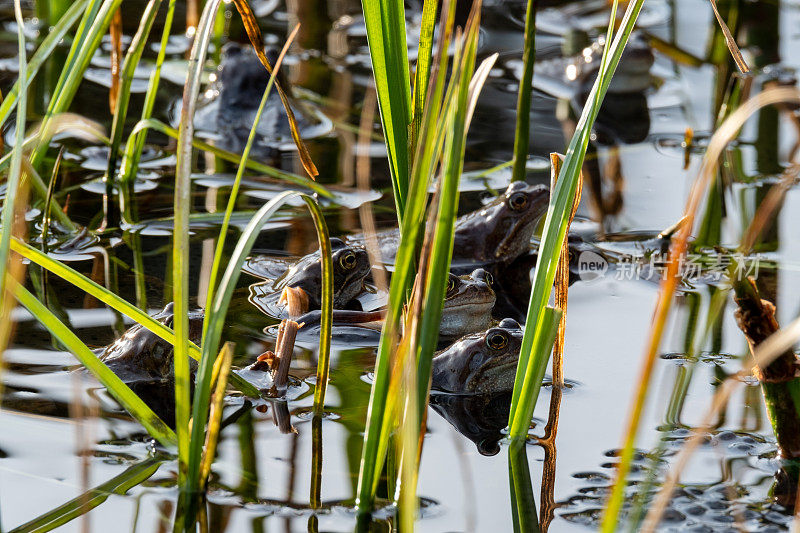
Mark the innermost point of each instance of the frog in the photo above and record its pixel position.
(497, 233)
(479, 363)
(468, 303)
(227, 109)
(351, 266)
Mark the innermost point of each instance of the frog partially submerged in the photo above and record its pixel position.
(350, 268)
(480, 363)
(227, 110)
(468, 305)
(498, 232)
(140, 356)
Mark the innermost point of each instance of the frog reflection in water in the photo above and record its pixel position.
(481, 362)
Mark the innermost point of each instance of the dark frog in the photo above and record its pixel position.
(227, 110)
(498, 232)
(350, 267)
(480, 363)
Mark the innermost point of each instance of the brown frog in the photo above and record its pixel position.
(480, 363)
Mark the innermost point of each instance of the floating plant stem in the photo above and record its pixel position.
(522, 132)
(120, 484)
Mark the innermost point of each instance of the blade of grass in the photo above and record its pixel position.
(72, 75)
(120, 484)
(222, 369)
(117, 303)
(522, 132)
(180, 252)
(724, 134)
(9, 210)
(386, 36)
(118, 389)
(135, 144)
(48, 44)
(423, 66)
(555, 230)
(254, 33)
(122, 99)
(234, 158)
(222, 300)
(232, 197)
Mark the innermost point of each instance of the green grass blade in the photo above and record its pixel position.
(14, 177)
(115, 302)
(132, 58)
(386, 36)
(180, 249)
(523, 503)
(48, 44)
(120, 484)
(555, 227)
(423, 66)
(522, 132)
(72, 75)
(234, 158)
(218, 309)
(232, 197)
(118, 389)
(135, 144)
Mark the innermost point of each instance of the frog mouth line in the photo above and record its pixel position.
(489, 303)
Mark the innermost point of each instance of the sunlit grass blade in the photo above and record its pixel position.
(235, 158)
(234, 193)
(115, 302)
(522, 132)
(555, 229)
(122, 100)
(46, 47)
(523, 504)
(386, 35)
(423, 66)
(180, 251)
(13, 180)
(222, 298)
(222, 369)
(254, 33)
(118, 389)
(438, 113)
(135, 143)
(120, 484)
(72, 75)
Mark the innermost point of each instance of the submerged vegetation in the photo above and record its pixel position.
(205, 165)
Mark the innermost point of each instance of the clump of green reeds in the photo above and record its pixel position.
(195, 437)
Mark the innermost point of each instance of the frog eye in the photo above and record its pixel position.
(518, 201)
(348, 260)
(496, 341)
(451, 284)
(488, 279)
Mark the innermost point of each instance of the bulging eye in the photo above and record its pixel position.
(518, 201)
(496, 341)
(488, 279)
(451, 284)
(348, 260)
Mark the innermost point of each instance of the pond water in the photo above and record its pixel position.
(63, 434)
